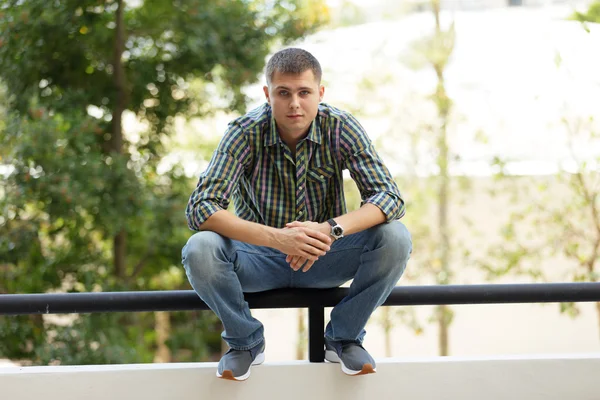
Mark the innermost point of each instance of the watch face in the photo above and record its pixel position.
(337, 231)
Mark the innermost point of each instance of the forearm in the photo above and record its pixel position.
(358, 220)
(363, 218)
(226, 224)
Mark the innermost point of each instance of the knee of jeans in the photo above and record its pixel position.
(201, 253)
(397, 239)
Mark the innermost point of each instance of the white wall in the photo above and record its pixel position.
(541, 377)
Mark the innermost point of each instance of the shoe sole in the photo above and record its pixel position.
(332, 356)
(228, 374)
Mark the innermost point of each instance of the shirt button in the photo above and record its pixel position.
(301, 212)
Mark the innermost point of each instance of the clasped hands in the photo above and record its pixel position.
(304, 243)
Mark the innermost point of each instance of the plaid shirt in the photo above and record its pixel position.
(254, 168)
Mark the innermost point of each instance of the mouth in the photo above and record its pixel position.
(294, 116)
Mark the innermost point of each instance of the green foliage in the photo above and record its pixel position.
(559, 218)
(63, 52)
(67, 191)
(592, 14)
(430, 262)
(98, 339)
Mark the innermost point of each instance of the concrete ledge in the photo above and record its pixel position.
(516, 377)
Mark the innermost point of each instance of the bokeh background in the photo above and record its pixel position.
(486, 111)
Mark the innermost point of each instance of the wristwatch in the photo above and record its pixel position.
(336, 230)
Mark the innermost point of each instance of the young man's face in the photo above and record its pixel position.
(294, 99)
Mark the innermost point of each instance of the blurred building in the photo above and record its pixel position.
(349, 12)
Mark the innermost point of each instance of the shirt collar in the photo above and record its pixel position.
(272, 137)
(314, 133)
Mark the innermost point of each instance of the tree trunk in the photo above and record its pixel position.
(162, 326)
(387, 330)
(598, 314)
(116, 141)
(444, 275)
(443, 105)
(119, 82)
(300, 345)
(443, 330)
(119, 252)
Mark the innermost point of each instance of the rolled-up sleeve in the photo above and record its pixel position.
(372, 177)
(217, 183)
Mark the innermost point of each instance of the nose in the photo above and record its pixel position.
(294, 103)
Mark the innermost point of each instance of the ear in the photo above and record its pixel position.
(321, 92)
(266, 90)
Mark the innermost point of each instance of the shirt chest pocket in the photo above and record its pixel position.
(320, 174)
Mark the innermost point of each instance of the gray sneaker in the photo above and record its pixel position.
(352, 356)
(235, 364)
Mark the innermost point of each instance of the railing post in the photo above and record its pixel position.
(316, 331)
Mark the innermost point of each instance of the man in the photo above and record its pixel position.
(281, 165)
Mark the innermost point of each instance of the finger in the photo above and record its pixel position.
(290, 259)
(319, 245)
(307, 266)
(315, 247)
(297, 263)
(294, 260)
(293, 224)
(306, 252)
(300, 262)
(312, 251)
(318, 235)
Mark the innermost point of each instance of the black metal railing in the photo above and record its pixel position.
(314, 299)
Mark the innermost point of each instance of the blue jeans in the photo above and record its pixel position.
(220, 270)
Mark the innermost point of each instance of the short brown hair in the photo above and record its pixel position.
(292, 61)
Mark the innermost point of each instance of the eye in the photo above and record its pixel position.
(305, 93)
(283, 93)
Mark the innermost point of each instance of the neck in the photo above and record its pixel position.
(290, 139)
(291, 144)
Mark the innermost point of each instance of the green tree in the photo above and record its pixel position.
(443, 45)
(561, 218)
(418, 197)
(434, 52)
(591, 15)
(431, 260)
(85, 206)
